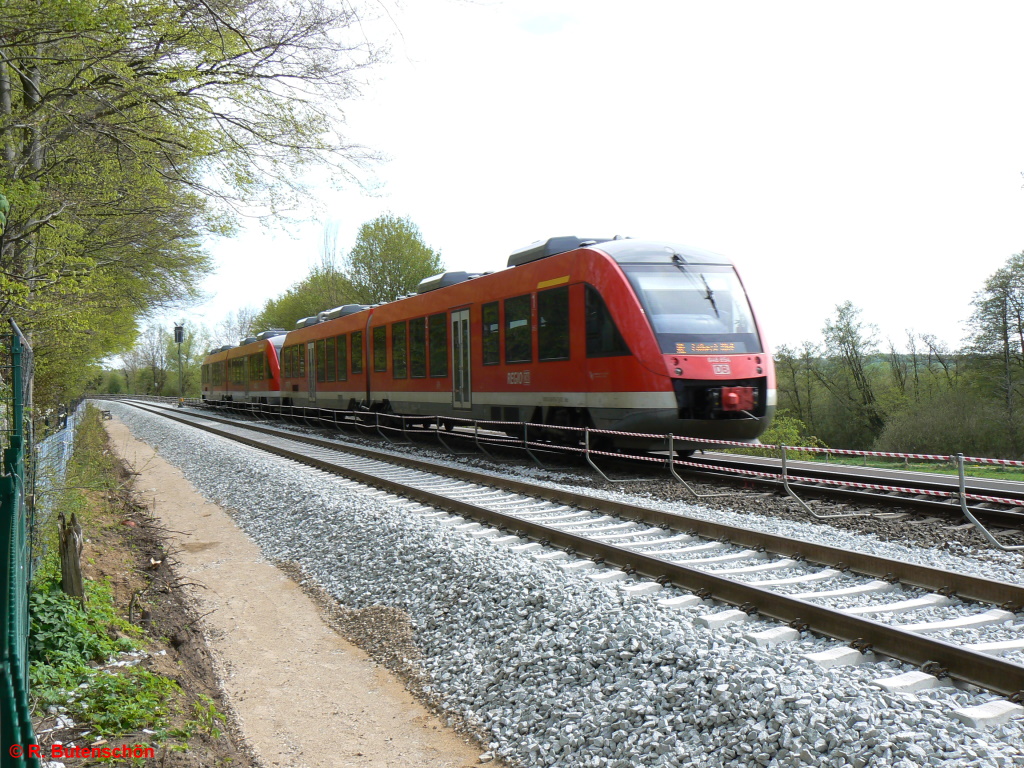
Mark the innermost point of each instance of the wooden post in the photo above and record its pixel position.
(71, 557)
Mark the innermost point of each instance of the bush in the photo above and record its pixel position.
(948, 423)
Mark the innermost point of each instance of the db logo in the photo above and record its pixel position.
(721, 369)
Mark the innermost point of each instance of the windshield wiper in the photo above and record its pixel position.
(710, 295)
(677, 261)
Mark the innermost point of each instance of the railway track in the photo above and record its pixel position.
(995, 503)
(998, 501)
(851, 596)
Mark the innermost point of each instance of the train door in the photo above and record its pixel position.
(462, 393)
(245, 377)
(311, 369)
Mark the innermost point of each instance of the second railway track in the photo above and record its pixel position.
(620, 541)
(993, 501)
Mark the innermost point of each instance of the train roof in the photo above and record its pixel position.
(276, 341)
(627, 251)
(270, 333)
(553, 246)
(623, 250)
(343, 311)
(446, 279)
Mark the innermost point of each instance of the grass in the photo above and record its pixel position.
(987, 471)
(72, 644)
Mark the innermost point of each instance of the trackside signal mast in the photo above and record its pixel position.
(179, 336)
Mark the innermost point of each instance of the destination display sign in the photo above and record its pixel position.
(705, 347)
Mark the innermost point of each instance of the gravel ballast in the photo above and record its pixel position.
(561, 671)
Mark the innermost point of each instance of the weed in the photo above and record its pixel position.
(205, 719)
(66, 633)
(128, 701)
(209, 719)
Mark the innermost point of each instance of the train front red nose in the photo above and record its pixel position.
(738, 398)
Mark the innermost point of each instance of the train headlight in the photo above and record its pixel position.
(679, 371)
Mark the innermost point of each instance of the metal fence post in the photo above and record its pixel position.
(15, 570)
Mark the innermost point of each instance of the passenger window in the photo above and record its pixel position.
(553, 324)
(439, 345)
(603, 338)
(418, 347)
(343, 357)
(321, 360)
(380, 349)
(331, 359)
(399, 351)
(491, 334)
(357, 352)
(518, 336)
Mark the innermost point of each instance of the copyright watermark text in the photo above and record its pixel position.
(59, 751)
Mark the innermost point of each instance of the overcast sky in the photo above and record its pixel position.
(867, 151)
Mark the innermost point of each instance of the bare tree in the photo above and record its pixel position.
(235, 327)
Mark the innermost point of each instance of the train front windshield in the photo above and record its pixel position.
(698, 309)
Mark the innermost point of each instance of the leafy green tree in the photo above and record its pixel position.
(195, 345)
(150, 367)
(389, 259)
(130, 130)
(111, 382)
(797, 383)
(146, 365)
(997, 340)
(856, 415)
(324, 288)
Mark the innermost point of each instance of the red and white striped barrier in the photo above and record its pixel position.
(999, 462)
(882, 454)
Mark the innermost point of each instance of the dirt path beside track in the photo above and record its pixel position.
(303, 697)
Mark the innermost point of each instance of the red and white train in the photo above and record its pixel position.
(622, 334)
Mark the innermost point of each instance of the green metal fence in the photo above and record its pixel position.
(16, 735)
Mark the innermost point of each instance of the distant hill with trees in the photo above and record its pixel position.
(852, 392)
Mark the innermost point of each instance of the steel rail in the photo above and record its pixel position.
(1014, 489)
(972, 667)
